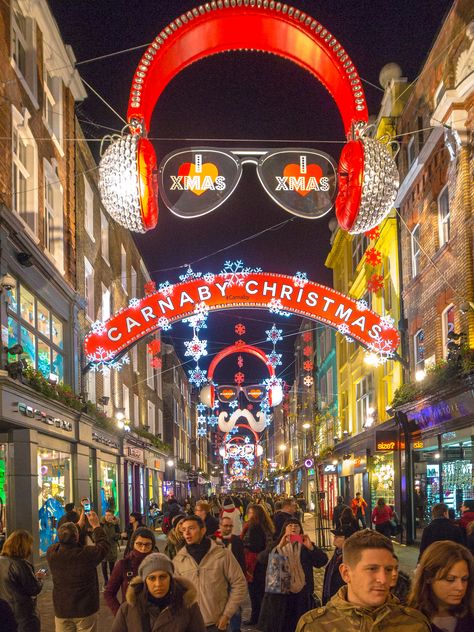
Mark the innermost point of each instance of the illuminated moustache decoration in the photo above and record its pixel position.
(226, 424)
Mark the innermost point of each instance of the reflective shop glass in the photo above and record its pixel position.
(108, 487)
(54, 491)
(382, 479)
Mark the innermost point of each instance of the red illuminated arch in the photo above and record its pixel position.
(258, 25)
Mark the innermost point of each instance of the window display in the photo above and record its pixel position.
(108, 487)
(54, 491)
(382, 479)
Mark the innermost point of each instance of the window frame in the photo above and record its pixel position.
(444, 222)
(419, 357)
(411, 157)
(104, 237)
(27, 75)
(55, 103)
(22, 133)
(415, 250)
(446, 326)
(89, 208)
(363, 400)
(89, 295)
(51, 182)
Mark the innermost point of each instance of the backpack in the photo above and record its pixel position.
(166, 525)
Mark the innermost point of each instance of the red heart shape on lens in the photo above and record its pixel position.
(312, 171)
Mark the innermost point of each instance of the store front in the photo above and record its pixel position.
(328, 487)
(135, 480)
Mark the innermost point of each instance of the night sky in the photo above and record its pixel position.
(240, 96)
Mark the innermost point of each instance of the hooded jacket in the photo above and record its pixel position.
(122, 574)
(220, 583)
(341, 616)
(182, 614)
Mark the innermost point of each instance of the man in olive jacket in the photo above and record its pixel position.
(215, 573)
(74, 572)
(365, 603)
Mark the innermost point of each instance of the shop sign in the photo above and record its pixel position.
(159, 464)
(330, 468)
(453, 408)
(418, 444)
(135, 453)
(308, 463)
(40, 415)
(387, 441)
(99, 438)
(360, 464)
(347, 467)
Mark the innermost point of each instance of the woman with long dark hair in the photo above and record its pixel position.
(156, 600)
(443, 589)
(256, 534)
(19, 584)
(281, 612)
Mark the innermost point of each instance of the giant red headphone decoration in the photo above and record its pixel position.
(368, 178)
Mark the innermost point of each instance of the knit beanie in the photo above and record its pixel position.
(155, 562)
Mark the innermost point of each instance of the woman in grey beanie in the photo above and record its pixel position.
(156, 600)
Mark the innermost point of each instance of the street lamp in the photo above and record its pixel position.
(306, 426)
(170, 462)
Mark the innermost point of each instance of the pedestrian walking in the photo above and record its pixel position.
(135, 521)
(174, 538)
(467, 514)
(285, 512)
(203, 511)
(256, 535)
(365, 603)
(19, 584)
(74, 571)
(348, 522)
(443, 589)
(440, 528)
(281, 612)
(381, 516)
(231, 511)
(337, 511)
(227, 539)
(142, 543)
(332, 577)
(158, 601)
(111, 527)
(214, 572)
(359, 506)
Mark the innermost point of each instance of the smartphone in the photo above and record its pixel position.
(87, 507)
(296, 537)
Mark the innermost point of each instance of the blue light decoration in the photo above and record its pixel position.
(134, 303)
(201, 431)
(189, 275)
(201, 408)
(300, 279)
(212, 421)
(197, 376)
(274, 359)
(274, 335)
(195, 348)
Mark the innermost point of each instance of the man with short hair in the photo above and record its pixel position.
(74, 572)
(203, 511)
(286, 511)
(71, 514)
(365, 603)
(440, 528)
(215, 573)
(358, 506)
(332, 577)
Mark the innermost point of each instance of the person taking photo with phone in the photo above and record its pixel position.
(281, 612)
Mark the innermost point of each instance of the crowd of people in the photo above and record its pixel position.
(223, 550)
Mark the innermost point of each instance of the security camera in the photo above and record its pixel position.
(7, 282)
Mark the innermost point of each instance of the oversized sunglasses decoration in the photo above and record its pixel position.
(254, 394)
(367, 175)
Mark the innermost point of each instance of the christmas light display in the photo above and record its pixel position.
(150, 287)
(373, 234)
(375, 283)
(240, 329)
(373, 257)
(300, 279)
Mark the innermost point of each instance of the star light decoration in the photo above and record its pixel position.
(195, 348)
(300, 279)
(197, 376)
(274, 335)
(274, 359)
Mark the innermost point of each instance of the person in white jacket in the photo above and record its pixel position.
(229, 510)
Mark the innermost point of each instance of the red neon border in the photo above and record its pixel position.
(270, 27)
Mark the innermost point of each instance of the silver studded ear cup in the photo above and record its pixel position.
(119, 184)
(379, 188)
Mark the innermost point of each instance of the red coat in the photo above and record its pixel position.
(466, 518)
(381, 515)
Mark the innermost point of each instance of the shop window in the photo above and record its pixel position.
(89, 288)
(40, 332)
(23, 48)
(419, 350)
(382, 479)
(53, 215)
(444, 223)
(55, 490)
(88, 208)
(25, 171)
(411, 151)
(53, 105)
(364, 403)
(123, 268)
(415, 251)
(447, 319)
(108, 487)
(104, 237)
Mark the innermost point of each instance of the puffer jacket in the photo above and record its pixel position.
(19, 588)
(341, 616)
(182, 614)
(219, 580)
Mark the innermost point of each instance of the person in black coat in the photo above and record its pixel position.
(332, 577)
(337, 511)
(19, 585)
(440, 528)
(281, 612)
(226, 538)
(285, 512)
(7, 617)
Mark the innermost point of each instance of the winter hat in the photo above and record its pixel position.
(177, 519)
(155, 562)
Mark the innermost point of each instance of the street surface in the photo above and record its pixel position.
(407, 555)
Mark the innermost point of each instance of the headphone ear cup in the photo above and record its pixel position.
(350, 176)
(128, 183)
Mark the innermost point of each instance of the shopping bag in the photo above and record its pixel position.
(277, 579)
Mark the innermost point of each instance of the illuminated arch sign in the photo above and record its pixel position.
(259, 290)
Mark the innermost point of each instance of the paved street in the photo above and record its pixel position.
(407, 556)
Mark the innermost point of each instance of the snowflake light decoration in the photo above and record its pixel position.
(239, 343)
(154, 347)
(387, 322)
(201, 431)
(382, 346)
(307, 350)
(349, 339)
(373, 257)
(100, 355)
(373, 233)
(149, 287)
(134, 303)
(275, 306)
(233, 405)
(197, 376)
(189, 275)
(375, 283)
(166, 288)
(209, 278)
(201, 419)
(196, 322)
(201, 408)
(308, 365)
(307, 336)
(300, 279)
(343, 328)
(98, 328)
(195, 348)
(212, 421)
(274, 335)
(235, 273)
(240, 329)
(156, 363)
(202, 309)
(362, 305)
(240, 361)
(239, 378)
(274, 359)
(271, 382)
(308, 380)
(164, 323)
